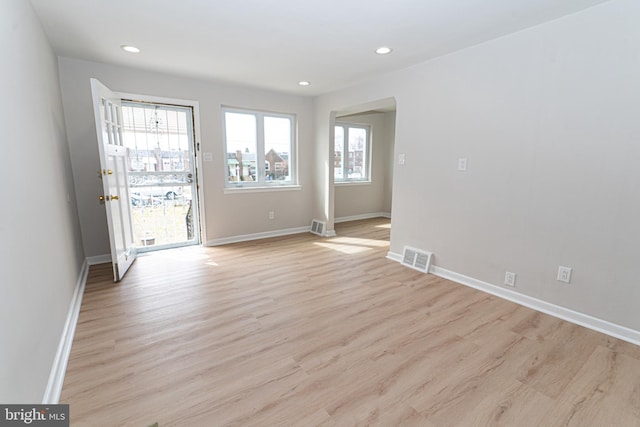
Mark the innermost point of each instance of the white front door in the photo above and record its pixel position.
(113, 169)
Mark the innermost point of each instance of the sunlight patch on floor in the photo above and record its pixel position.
(352, 245)
(346, 249)
(362, 242)
(186, 254)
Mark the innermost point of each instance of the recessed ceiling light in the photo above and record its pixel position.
(383, 50)
(130, 49)
(304, 83)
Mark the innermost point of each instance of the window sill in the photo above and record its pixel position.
(262, 189)
(348, 183)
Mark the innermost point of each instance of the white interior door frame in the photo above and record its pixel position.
(195, 106)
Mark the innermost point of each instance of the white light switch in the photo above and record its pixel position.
(402, 159)
(462, 164)
(207, 157)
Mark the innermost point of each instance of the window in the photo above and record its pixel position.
(259, 148)
(351, 159)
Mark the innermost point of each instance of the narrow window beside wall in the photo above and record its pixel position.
(352, 160)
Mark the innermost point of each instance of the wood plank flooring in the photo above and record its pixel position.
(307, 331)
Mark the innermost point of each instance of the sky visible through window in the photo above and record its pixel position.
(277, 134)
(242, 130)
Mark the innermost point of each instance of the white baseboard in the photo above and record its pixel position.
(99, 259)
(394, 256)
(362, 216)
(56, 377)
(257, 236)
(582, 319)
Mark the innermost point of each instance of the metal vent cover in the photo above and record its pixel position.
(417, 259)
(318, 227)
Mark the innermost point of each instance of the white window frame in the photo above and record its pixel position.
(261, 182)
(345, 153)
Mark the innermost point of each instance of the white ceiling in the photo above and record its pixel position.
(273, 44)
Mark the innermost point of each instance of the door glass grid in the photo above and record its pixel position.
(159, 145)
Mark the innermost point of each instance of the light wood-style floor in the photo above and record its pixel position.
(308, 331)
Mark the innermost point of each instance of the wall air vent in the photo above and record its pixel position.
(417, 259)
(318, 227)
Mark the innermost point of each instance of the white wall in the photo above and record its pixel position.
(549, 121)
(358, 199)
(41, 254)
(228, 215)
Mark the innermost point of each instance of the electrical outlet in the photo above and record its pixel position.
(462, 164)
(510, 278)
(272, 215)
(564, 274)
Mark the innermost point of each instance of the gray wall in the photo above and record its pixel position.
(41, 254)
(227, 215)
(357, 199)
(548, 120)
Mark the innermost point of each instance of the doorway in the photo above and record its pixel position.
(160, 144)
(363, 159)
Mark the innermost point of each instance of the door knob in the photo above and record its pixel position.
(115, 197)
(101, 198)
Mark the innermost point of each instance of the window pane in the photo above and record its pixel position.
(241, 146)
(338, 153)
(277, 146)
(357, 153)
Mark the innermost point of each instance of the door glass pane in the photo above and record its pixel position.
(277, 145)
(159, 143)
(338, 153)
(241, 146)
(357, 153)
